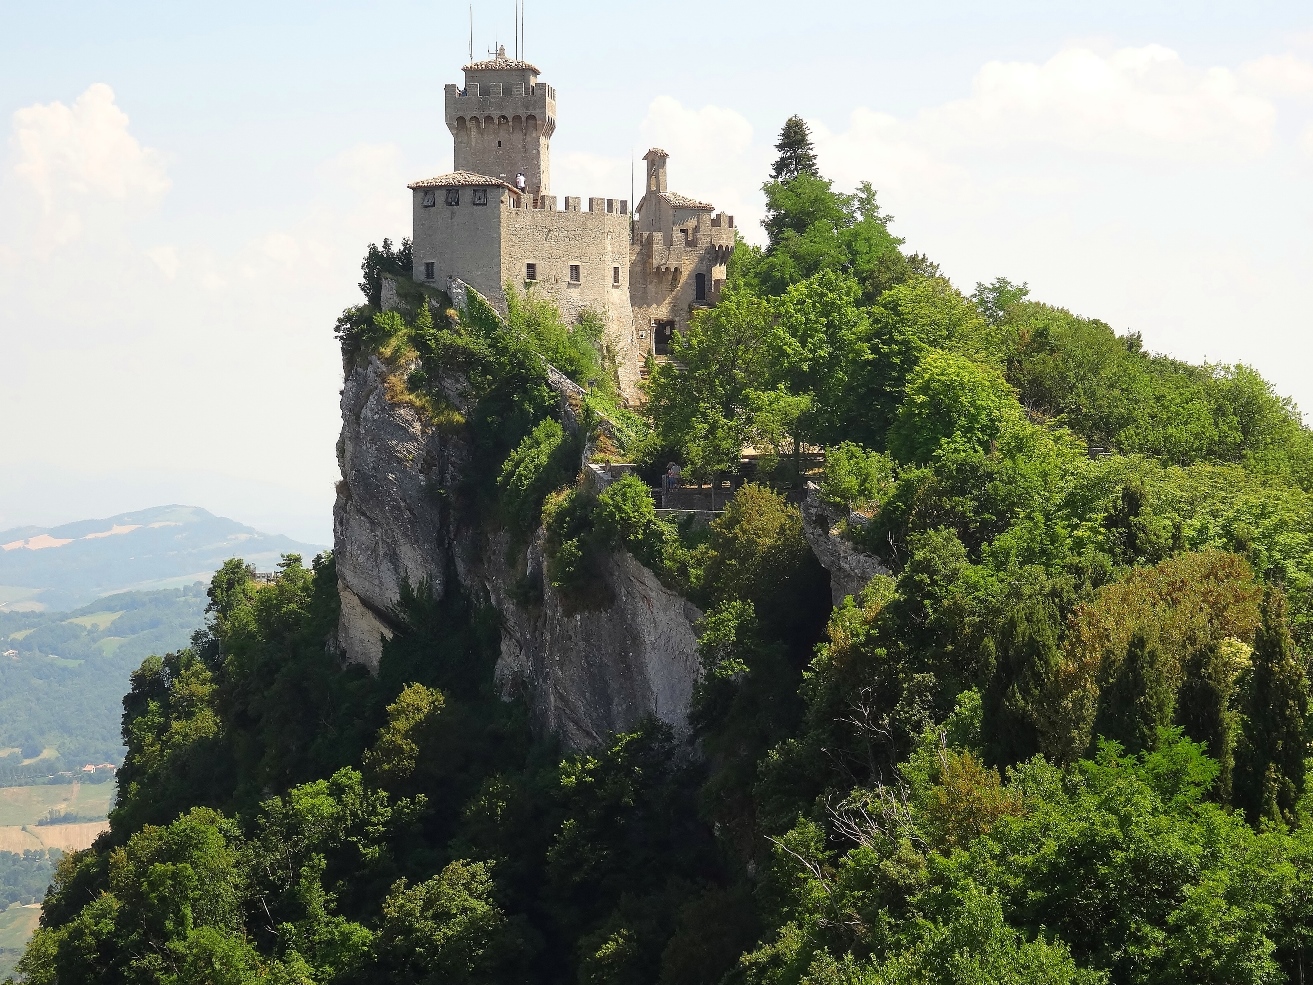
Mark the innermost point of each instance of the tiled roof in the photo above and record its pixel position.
(460, 179)
(500, 64)
(684, 202)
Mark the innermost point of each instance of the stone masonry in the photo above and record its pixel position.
(643, 277)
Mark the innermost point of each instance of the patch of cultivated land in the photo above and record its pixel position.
(34, 837)
(27, 805)
(17, 925)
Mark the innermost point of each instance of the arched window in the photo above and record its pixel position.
(700, 288)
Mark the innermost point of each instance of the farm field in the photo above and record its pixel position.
(66, 837)
(27, 805)
(16, 925)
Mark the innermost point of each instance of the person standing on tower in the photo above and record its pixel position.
(520, 182)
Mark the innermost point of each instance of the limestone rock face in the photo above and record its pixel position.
(850, 568)
(586, 674)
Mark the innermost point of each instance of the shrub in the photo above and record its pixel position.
(854, 476)
(540, 463)
(948, 397)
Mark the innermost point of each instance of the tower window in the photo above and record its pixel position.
(615, 276)
(453, 196)
(499, 143)
(531, 271)
(575, 275)
(480, 196)
(430, 199)
(700, 288)
(429, 272)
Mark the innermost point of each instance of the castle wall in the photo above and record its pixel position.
(460, 241)
(597, 241)
(665, 268)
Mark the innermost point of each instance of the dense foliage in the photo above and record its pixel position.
(1063, 740)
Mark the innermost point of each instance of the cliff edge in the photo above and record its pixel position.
(585, 674)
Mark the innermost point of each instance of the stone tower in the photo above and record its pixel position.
(502, 122)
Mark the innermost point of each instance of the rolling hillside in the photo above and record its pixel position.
(64, 567)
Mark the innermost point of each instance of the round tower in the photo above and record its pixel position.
(502, 122)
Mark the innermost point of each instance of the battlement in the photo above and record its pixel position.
(503, 90)
(548, 203)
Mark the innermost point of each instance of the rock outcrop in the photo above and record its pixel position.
(587, 674)
(850, 568)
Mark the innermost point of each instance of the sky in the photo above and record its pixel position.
(186, 191)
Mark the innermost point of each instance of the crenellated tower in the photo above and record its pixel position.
(502, 122)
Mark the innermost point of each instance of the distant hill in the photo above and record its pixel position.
(60, 568)
(63, 676)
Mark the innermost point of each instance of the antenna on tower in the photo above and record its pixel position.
(471, 32)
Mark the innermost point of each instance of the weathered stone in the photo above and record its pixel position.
(850, 569)
(586, 675)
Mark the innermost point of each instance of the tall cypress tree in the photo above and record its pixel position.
(1027, 655)
(1275, 742)
(1139, 701)
(1205, 710)
(797, 155)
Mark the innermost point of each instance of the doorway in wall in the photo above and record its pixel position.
(662, 333)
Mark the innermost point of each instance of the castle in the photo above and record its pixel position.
(493, 222)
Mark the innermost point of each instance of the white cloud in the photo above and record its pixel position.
(1280, 75)
(73, 160)
(1142, 102)
(166, 258)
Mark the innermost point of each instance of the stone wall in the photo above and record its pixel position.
(597, 241)
(460, 241)
(665, 267)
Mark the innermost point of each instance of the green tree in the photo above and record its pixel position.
(450, 929)
(796, 153)
(1270, 780)
(1139, 702)
(950, 397)
(1205, 707)
(1027, 658)
(994, 299)
(385, 259)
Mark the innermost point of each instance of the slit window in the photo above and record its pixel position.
(700, 288)
(615, 276)
(531, 271)
(575, 274)
(430, 199)
(453, 196)
(429, 271)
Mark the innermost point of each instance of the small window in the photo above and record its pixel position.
(615, 276)
(430, 199)
(531, 271)
(429, 272)
(453, 196)
(700, 288)
(499, 143)
(575, 275)
(480, 196)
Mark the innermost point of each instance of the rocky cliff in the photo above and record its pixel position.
(850, 568)
(586, 674)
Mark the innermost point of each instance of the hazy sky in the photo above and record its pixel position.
(186, 190)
